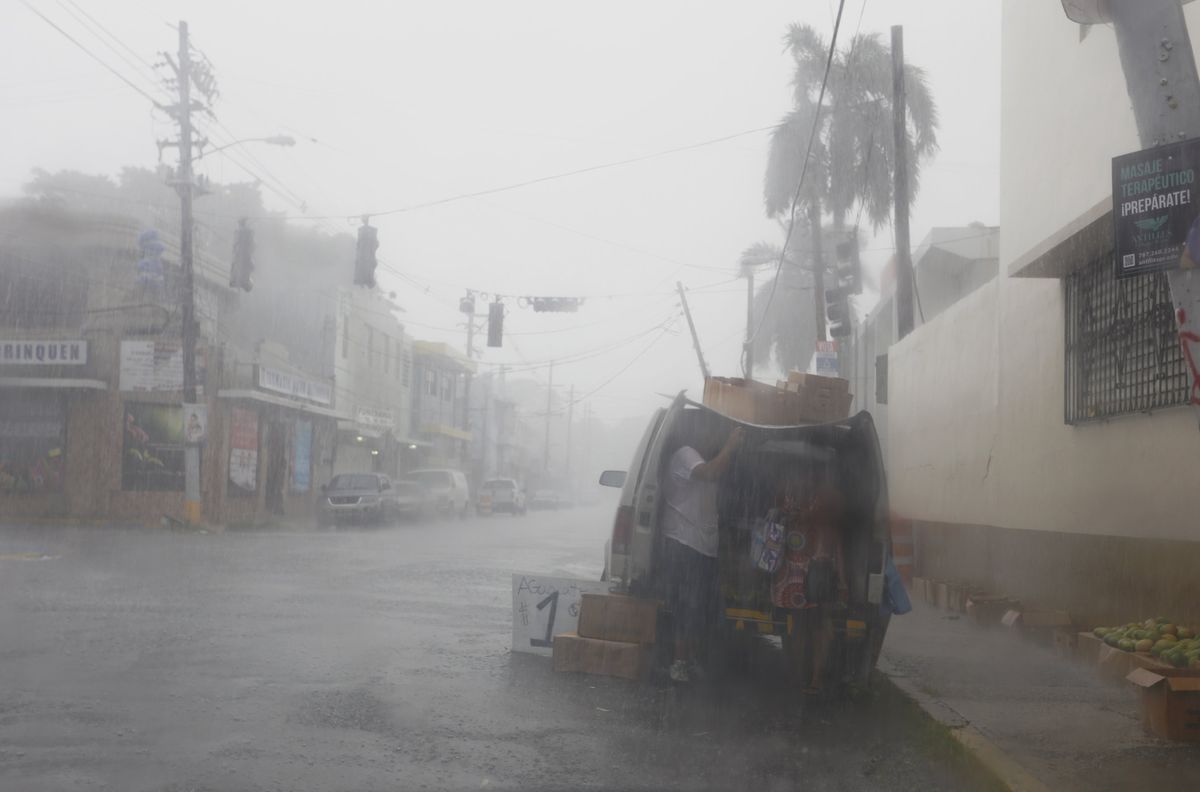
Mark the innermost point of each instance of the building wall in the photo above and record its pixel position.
(1099, 518)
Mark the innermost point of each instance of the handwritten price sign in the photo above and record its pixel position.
(544, 607)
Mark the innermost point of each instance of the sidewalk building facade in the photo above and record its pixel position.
(1038, 429)
(440, 423)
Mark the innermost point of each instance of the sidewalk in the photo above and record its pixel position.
(1037, 719)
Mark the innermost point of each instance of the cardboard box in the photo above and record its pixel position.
(594, 656)
(956, 597)
(1151, 663)
(1113, 664)
(985, 610)
(1064, 641)
(1087, 648)
(1170, 705)
(760, 403)
(616, 617)
(798, 380)
(1037, 624)
(918, 588)
(942, 598)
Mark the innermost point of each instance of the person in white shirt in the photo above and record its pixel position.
(690, 547)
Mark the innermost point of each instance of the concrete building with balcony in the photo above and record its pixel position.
(440, 418)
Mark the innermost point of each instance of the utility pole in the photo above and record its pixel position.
(549, 394)
(570, 419)
(749, 343)
(1164, 89)
(692, 327)
(814, 226)
(904, 267)
(185, 185)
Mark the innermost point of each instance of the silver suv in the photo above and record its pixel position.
(448, 491)
(367, 498)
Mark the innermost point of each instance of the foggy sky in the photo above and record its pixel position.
(414, 102)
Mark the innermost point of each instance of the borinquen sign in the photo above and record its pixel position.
(44, 353)
(1155, 208)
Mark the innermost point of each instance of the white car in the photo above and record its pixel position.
(500, 495)
(448, 491)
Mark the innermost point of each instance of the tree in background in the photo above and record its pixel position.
(851, 161)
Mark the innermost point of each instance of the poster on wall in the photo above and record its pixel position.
(195, 423)
(302, 457)
(243, 452)
(153, 457)
(544, 607)
(32, 428)
(156, 366)
(1156, 226)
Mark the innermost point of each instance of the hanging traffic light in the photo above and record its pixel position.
(837, 311)
(242, 271)
(364, 255)
(847, 266)
(496, 324)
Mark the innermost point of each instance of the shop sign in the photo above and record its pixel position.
(156, 366)
(43, 353)
(243, 451)
(544, 607)
(277, 381)
(1155, 208)
(827, 358)
(375, 417)
(195, 423)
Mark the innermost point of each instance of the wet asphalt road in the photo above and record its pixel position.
(377, 660)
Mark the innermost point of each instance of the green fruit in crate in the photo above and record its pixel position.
(1170, 629)
(1169, 637)
(1125, 645)
(1186, 632)
(1111, 639)
(1144, 645)
(1100, 632)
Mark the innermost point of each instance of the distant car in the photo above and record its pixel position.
(412, 500)
(500, 495)
(544, 499)
(365, 498)
(448, 491)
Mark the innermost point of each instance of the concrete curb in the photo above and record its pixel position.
(1006, 769)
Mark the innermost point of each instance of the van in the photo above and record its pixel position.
(448, 492)
(847, 452)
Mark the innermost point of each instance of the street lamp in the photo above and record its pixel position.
(274, 140)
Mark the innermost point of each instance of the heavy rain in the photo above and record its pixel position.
(529, 395)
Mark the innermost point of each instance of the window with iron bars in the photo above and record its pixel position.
(1122, 351)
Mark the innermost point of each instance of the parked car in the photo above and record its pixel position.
(448, 491)
(366, 498)
(847, 451)
(544, 499)
(500, 495)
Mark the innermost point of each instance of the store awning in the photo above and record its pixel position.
(447, 431)
(52, 382)
(355, 428)
(279, 401)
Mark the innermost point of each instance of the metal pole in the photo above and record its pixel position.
(747, 346)
(1160, 77)
(904, 267)
(549, 394)
(570, 418)
(184, 184)
(818, 265)
(692, 327)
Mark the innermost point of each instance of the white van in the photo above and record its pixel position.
(847, 450)
(448, 492)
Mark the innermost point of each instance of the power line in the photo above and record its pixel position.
(94, 56)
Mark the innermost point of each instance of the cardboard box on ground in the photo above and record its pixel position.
(1170, 705)
(615, 637)
(803, 398)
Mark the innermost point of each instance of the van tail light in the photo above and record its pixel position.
(622, 529)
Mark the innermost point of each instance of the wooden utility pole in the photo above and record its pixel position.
(549, 395)
(570, 419)
(185, 185)
(692, 327)
(748, 346)
(904, 266)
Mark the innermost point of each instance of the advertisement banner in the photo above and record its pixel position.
(375, 417)
(270, 379)
(195, 423)
(544, 607)
(827, 358)
(153, 458)
(243, 452)
(155, 366)
(302, 457)
(1155, 208)
(43, 353)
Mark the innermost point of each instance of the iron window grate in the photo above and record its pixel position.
(1122, 351)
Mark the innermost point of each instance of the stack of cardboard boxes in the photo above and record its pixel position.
(802, 398)
(615, 637)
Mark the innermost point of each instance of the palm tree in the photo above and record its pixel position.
(785, 330)
(853, 149)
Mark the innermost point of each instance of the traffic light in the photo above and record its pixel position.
(364, 255)
(556, 304)
(467, 304)
(496, 324)
(242, 270)
(837, 311)
(847, 267)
